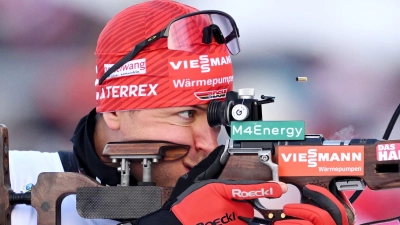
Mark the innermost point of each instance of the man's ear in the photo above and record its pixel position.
(112, 120)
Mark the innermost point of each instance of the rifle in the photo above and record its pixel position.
(246, 157)
(251, 154)
(300, 159)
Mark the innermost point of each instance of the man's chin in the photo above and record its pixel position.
(167, 175)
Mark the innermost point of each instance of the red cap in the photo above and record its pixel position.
(158, 77)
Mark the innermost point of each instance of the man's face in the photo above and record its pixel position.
(181, 125)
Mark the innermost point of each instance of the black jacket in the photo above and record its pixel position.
(84, 150)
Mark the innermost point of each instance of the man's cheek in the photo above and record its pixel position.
(167, 173)
(179, 135)
(163, 173)
(136, 169)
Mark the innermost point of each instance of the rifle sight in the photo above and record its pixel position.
(238, 106)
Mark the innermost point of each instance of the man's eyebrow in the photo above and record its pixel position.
(199, 108)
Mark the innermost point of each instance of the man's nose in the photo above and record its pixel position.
(205, 137)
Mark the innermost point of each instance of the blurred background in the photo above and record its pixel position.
(349, 50)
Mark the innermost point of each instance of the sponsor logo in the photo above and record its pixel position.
(206, 95)
(227, 218)
(121, 91)
(134, 67)
(312, 156)
(204, 63)
(388, 152)
(321, 160)
(188, 83)
(259, 193)
(267, 130)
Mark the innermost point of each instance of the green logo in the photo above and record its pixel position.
(267, 130)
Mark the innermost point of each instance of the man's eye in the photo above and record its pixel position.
(186, 114)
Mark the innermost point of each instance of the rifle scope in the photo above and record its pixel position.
(238, 106)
